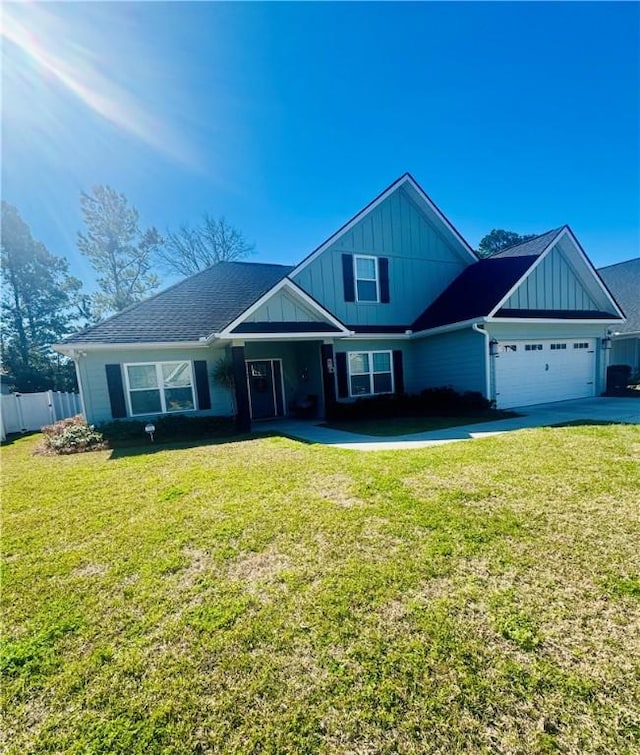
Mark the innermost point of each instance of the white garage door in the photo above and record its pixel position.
(534, 372)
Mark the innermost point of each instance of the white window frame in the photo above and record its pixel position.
(160, 387)
(370, 373)
(357, 257)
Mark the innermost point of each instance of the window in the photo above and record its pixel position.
(581, 345)
(558, 346)
(159, 388)
(370, 372)
(365, 271)
(533, 347)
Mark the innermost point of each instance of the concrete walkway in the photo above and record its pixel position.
(541, 415)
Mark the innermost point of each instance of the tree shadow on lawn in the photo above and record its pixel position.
(588, 422)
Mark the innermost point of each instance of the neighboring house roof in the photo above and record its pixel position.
(623, 280)
(190, 310)
(533, 247)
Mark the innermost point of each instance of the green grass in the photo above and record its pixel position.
(266, 596)
(409, 425)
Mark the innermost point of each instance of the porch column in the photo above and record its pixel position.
(243, 417)
(328, 377)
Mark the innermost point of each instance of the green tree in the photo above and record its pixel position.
(39, 305)
(498, 239)
(189, 250)
(120, 252)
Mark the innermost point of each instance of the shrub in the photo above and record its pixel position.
(431, 402)
(72, 436)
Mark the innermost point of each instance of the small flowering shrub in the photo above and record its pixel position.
(72, 436)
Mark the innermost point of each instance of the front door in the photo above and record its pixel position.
(264, 377)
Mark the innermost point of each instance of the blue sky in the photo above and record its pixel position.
(288, 118)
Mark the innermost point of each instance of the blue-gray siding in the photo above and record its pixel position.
(457, 359)
(95, 394)
(422, 263)
(552, 285)
(283, 307)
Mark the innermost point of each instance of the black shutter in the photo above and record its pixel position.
(202, 384)
(398, 371)
(383, 269)
(341, 373)
(116, 391)
(347, 277)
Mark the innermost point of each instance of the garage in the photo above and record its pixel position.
(540, 371)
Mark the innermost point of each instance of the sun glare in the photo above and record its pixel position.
(60, 51)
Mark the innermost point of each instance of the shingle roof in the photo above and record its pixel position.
(623, 280)
(475, 292)
(534, 247)
(192, 309)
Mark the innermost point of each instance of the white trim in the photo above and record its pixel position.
(370, 372)
(528, 272)
(375, 337)
(76, 364)
(552, 320)
(75, 349)
(296, 291)
(160, 387)
(593, 271)
(308, 336)
(487, 359)
(447, 328)
(375, 279)
(405, 179)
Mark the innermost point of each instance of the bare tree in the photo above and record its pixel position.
(189, 250)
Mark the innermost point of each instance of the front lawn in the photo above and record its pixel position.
(267, 596)
(409, 425)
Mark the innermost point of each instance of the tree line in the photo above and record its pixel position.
(42, 302)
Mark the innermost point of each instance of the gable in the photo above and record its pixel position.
(562, 281)
(422, 259)
(553, 284)
(284, 307)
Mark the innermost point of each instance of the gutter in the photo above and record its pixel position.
(487, 360)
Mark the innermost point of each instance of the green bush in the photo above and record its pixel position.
(72, 436)
(432, 402)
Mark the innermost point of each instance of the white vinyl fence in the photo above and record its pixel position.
(22, 412)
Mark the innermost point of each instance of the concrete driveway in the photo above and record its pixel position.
(589, 409)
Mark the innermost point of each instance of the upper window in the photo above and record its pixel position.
(159, 388)
(367, 278)
(370, 372)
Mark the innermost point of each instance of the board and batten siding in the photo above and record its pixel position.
(456, 359)
(95, 392)
(282, 307)
(552, 285)
(421, 264)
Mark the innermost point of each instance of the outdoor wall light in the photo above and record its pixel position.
(493, 347)
(150, 429)
(606, 343)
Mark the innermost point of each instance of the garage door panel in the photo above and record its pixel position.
(538, 371)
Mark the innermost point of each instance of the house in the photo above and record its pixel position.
(395, 300)
(623, 280)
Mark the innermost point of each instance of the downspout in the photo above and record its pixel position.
(76, 364)
(487, 359)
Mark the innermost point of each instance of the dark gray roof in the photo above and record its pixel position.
(192, 309)
(623, 281)
(475, 292)
(534, 247)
